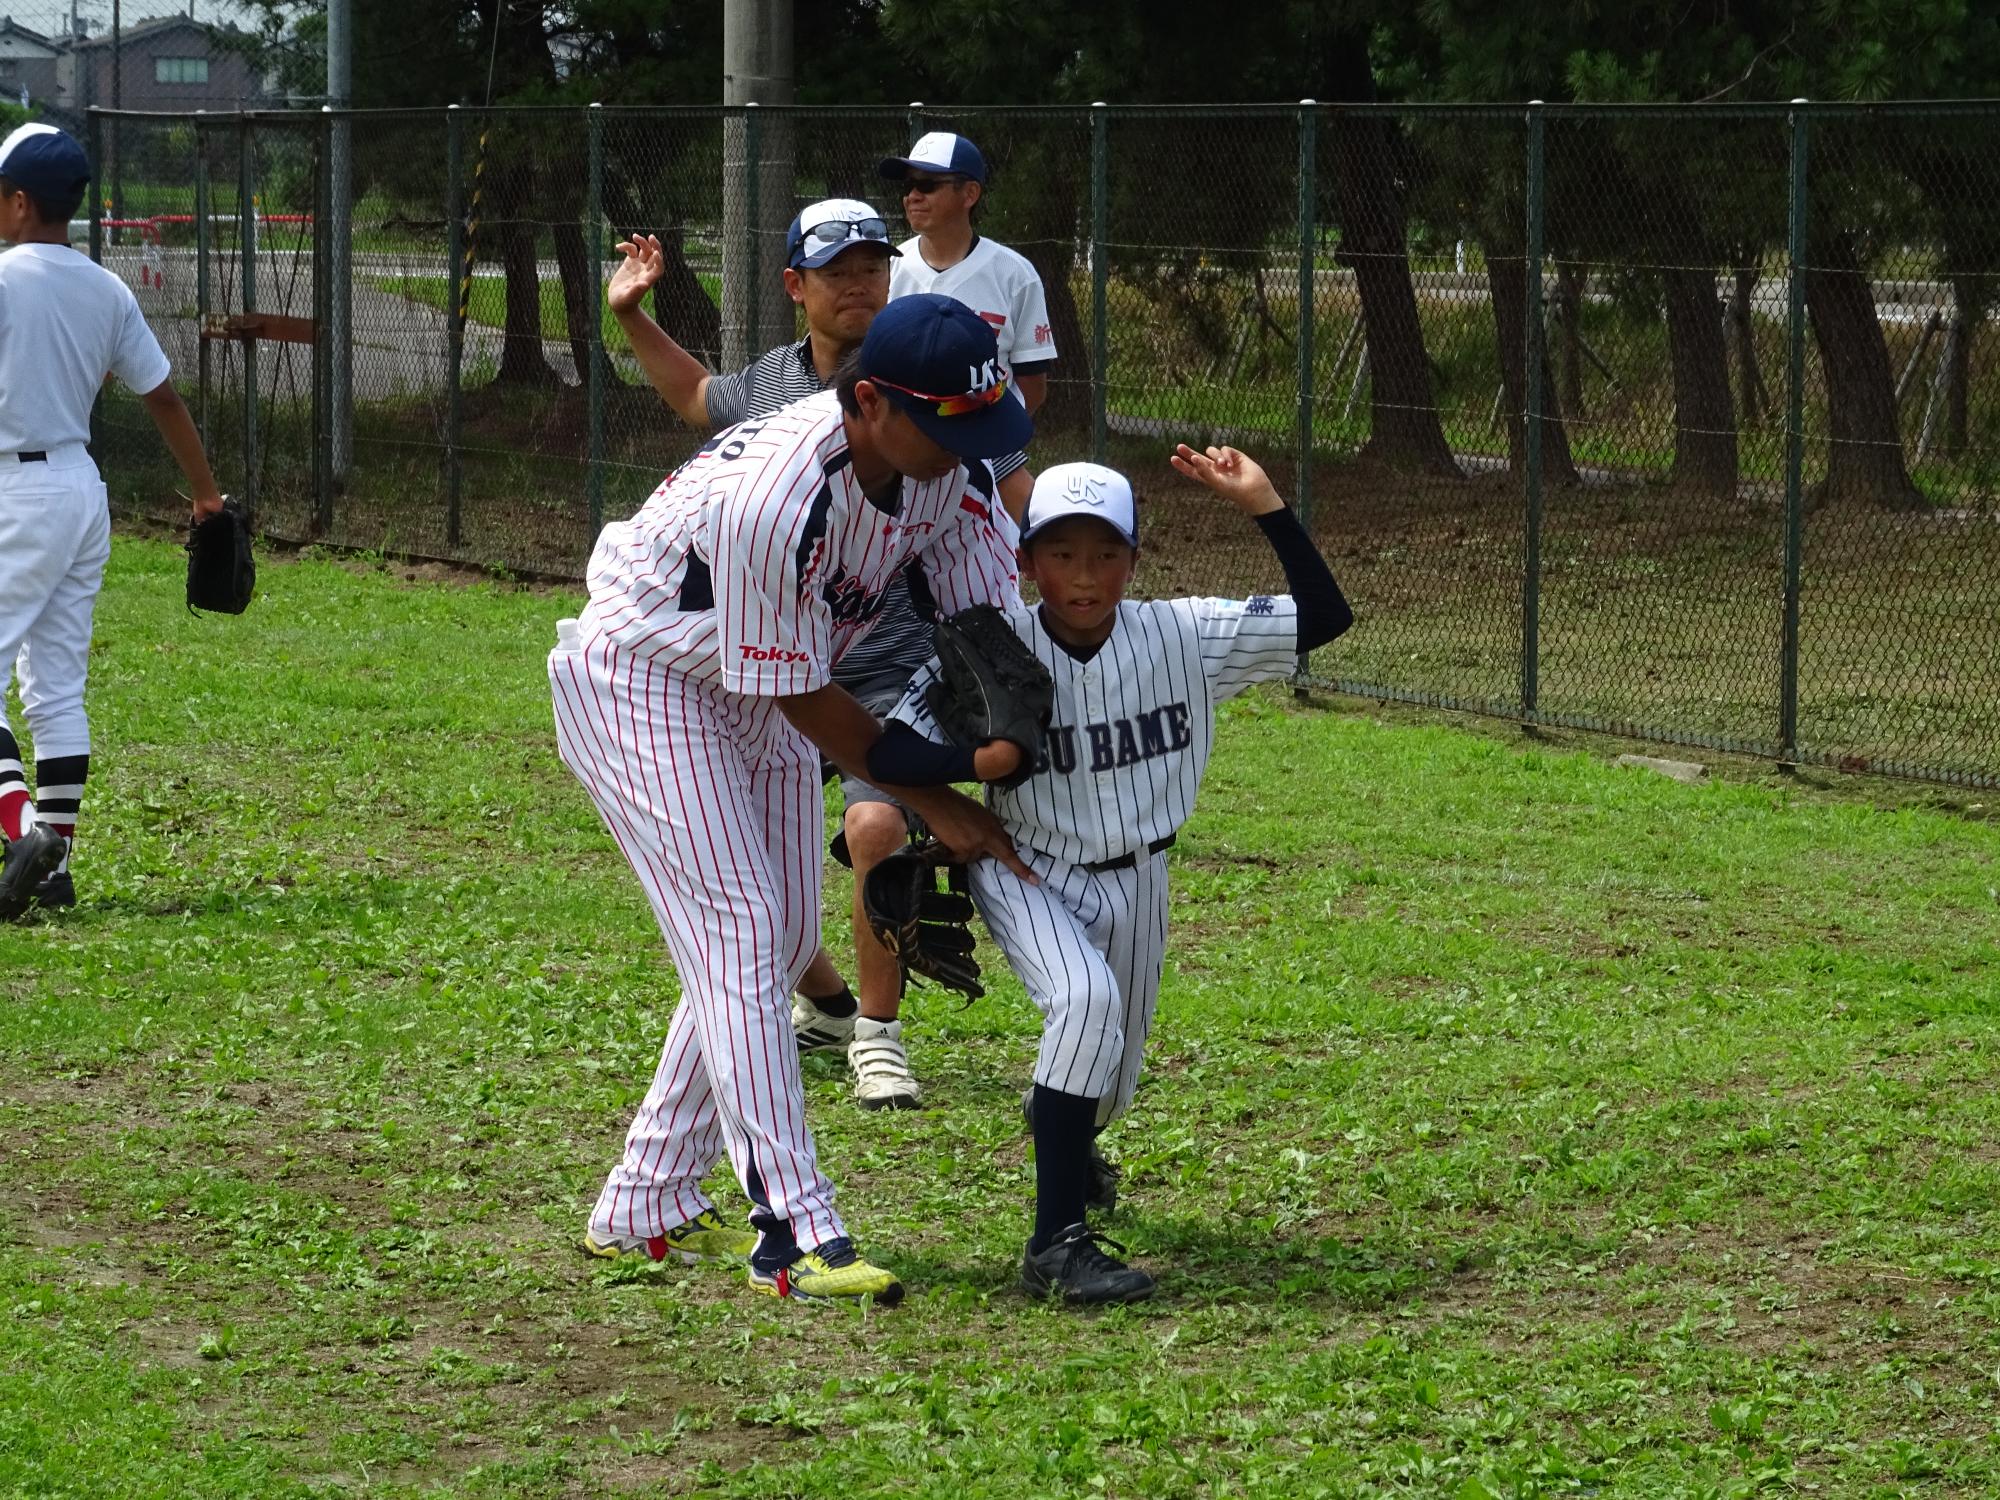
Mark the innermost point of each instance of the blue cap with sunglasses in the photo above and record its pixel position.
(824, 230)
(938, 361)
(940, 153)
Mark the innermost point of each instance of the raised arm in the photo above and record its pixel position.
(1324, 612)
(677, 375)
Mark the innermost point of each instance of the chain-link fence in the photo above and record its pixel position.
(1679, 422)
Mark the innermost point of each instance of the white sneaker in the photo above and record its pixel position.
(881, 1068)
(816, 1031)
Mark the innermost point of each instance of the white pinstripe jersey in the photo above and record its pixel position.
(759, 562)
(1132, 727)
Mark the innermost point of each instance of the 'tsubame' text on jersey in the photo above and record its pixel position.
(1117, 742)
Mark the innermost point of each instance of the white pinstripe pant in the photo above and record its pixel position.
(715, 800)
(1089, 949)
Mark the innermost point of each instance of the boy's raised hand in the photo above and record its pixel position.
(637, 273)
(1232, 474)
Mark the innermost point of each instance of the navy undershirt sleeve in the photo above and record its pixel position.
(1324, 612)
(902, 757)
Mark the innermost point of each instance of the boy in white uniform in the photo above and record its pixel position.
(65, 324)
(1136, 687)
(943, 181)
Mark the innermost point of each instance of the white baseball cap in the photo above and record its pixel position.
(832, 227)
(1082, 489)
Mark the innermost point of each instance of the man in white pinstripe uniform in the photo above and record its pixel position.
(693, 700)
(1136, 686)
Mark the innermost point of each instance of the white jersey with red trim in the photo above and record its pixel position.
(997, 283)
(760, 562)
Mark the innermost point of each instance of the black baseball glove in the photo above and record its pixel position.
(990, 686)
(222, 575)
(923, 926)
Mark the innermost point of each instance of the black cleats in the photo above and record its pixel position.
(28, 860)
(1076, 1268)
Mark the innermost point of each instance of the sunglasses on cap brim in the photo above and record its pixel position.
(840, 231)
(949, 406)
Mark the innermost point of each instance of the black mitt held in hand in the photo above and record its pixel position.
(222, 575)
(923, 926)
(990, 686)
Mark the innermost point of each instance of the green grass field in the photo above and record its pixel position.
(1516, 1125)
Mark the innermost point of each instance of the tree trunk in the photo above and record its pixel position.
(1970, 298)
(1404, 429)
(581, 301)
(1068, 401)
(1507, 280)
(521, 361)
(1704, 415)
(1569, 312)
(1751, 392)
(1865, 453)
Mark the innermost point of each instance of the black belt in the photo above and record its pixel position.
(1130, 860)
(39, 456)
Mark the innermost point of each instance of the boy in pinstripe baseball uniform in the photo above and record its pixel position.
(1136, 686)
(65, 325)
(694, 699)
(837, 270)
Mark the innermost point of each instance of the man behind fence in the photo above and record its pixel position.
(837, 270)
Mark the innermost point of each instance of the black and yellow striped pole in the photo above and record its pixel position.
(472, 227)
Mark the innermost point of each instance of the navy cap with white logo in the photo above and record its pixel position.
(940, 152)
(1081, 489)
(44, 161)
(938, 361)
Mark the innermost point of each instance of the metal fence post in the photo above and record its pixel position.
(332, 342)
(1795, 397)
(1531, 414)
(201, 249)
(916, 119)
(96, 197)
(594, 345)
(753, 306)
(1308, 300)
(454, 255)
(246, 210)
(1100, 273)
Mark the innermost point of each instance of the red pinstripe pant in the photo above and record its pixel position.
(715, 799)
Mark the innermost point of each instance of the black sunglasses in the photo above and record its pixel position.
(840, 231)
(928, 184)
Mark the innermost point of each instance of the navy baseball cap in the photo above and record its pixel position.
(832, 226)
(940, 152)
(938, 360)
(45, 161)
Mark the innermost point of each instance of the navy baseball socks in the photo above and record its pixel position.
(1104, 1173)
(1065, 1257)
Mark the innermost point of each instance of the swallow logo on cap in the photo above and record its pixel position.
(1083, 489)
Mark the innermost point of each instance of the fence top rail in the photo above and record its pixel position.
(1762, 109)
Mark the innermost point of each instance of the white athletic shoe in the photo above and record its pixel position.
(816, 1031)
(881, 1068)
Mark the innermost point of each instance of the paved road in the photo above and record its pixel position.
(400, 344)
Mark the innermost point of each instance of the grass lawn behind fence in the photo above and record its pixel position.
(1516, 1125)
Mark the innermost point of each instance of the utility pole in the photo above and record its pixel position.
(117, 102)
(339, 266)
(757, 191)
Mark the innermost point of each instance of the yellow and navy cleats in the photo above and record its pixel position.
(704, 1239)
(833, 1271)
